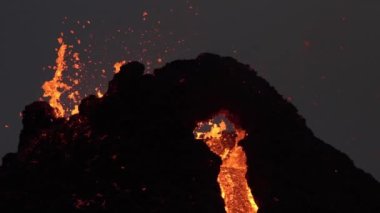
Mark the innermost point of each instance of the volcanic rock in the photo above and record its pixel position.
(133, 150)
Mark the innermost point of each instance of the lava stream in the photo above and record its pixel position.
(222, 138)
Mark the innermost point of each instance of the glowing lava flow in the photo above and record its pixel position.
(223, 141)
(55, 87)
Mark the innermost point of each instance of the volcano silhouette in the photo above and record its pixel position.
(133, 150)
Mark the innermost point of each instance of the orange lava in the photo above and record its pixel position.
(54, 88)
(99, 94)
(118, 65)
(64, 97)
(222, 138)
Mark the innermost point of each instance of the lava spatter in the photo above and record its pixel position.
(54, 88)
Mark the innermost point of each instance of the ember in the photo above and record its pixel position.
(117, 66)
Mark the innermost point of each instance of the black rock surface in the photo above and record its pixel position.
(133, 150)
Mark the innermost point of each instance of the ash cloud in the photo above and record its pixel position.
(133, 150)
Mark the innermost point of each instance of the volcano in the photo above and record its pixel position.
(202, 135)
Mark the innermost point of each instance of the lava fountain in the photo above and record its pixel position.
(55, 87)
(222, 137)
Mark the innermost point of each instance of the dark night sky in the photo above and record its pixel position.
(322, 55)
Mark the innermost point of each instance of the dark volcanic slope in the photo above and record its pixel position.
(134, 151)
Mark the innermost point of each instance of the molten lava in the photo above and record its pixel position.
(222, 137)
(55, 87)
(118, 65)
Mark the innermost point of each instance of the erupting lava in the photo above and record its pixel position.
(55, 87)
(84, 62)
(222, 137)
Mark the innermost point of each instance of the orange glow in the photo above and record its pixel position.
(55, 87)
(99, 94)
(222, 138)
(75, 110)
(118, 65)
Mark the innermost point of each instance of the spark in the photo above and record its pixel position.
(145, 15)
